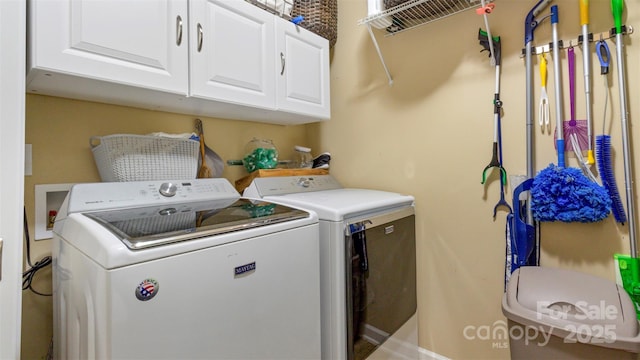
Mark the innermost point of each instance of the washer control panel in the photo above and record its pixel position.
(102, 196)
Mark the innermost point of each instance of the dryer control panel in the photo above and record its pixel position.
(282, 185)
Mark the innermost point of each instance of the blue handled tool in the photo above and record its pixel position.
(604, 55)
(603, 142)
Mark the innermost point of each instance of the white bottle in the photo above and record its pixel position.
(304, 159)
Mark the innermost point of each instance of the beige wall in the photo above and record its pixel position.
(428, 135)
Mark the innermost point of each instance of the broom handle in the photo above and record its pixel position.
(530, 24)
(586, 61)
(558, 86)
(617, 8)
(571, 58)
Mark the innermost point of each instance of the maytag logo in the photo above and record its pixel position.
(241, 270)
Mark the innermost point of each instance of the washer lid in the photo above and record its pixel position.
(339, 204)
(145, 227)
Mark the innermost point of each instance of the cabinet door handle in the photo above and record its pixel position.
(178, 30)
(200, 36)
(0, 258)
(282, 61)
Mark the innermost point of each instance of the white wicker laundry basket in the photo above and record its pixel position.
(125, 157)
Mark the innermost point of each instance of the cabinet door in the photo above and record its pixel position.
(12, 119)
(231, 43)
(302, 71)
(127, 42)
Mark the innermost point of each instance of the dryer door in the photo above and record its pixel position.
(381, 279)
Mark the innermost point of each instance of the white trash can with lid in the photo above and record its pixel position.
(562, 314)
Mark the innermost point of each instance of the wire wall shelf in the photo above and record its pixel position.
(413, 13)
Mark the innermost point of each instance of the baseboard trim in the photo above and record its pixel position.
(430, 355)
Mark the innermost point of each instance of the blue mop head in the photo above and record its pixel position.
(565, 194)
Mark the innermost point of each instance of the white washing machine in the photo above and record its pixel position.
(367, 262)
(183, 270)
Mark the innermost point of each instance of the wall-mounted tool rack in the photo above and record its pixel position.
(565, 44)
(411, 14)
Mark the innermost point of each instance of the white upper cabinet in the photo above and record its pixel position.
(219, 58)
(125, 42)
(302, 70)
(232, 52)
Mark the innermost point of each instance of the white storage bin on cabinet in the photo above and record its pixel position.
(122, 157)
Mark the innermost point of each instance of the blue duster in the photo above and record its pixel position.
(565, 194)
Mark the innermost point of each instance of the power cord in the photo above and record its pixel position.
(27, 276)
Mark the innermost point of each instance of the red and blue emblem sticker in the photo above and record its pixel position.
(147, 289)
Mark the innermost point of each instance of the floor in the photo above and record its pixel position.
(362, 349)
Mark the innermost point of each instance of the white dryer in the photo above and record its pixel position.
(367, 261)
(183, 270)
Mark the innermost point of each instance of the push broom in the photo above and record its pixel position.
(628, 266)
